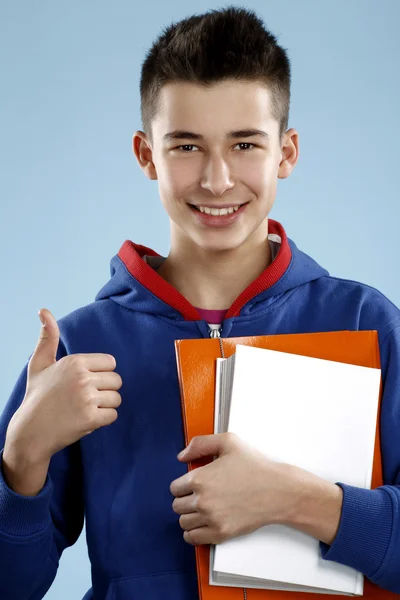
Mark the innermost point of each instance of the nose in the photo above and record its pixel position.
(217, 176)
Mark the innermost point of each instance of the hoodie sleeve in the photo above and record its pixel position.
(34, 530)
(368, 538)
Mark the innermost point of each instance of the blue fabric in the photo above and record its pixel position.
(119, 476)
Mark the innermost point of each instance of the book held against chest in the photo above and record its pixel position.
(285, 394)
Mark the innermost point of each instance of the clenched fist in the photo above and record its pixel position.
(64, 400)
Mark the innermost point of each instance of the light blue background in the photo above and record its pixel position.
(71, 191)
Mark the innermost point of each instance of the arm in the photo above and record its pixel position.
(358, 527)
(35, 529)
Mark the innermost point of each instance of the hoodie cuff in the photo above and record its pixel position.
(23, 515)
(364, 530)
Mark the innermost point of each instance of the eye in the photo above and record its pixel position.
(186, 146)
(245, 144)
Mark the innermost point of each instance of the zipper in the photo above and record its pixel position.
(216, 333)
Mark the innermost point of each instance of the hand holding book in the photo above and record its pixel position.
(243, 490)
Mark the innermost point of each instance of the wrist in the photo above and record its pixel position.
(22, 445)
(316, 505)
(18, 455)
(23, 472)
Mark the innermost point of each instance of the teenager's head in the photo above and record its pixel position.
(204, 78)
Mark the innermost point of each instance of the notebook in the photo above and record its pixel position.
(317, 414)
(196, 362)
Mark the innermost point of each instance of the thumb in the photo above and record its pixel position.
(204, 445)
(45, 352)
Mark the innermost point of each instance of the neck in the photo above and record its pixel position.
(213, 280)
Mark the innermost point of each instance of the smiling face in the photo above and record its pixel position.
(216, 147)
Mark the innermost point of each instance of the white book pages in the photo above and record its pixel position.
(318, 415)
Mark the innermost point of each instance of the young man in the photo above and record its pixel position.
(215, 92)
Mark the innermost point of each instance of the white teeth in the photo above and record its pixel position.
(218, 211)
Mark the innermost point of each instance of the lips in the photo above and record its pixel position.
(217, 220)
(219, 205)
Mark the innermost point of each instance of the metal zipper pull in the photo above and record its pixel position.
(215, 333)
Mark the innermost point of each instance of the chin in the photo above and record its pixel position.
(219, 245)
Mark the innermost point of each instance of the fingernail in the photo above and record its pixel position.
(41, 318)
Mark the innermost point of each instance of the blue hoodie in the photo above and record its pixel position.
(118, 477)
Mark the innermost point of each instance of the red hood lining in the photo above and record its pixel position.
(131, 255)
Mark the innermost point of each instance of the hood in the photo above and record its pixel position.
(137, 286)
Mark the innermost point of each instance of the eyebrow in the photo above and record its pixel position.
(189, 135)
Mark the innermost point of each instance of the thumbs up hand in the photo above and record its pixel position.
(64, 400)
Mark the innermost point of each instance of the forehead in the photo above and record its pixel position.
(214, 109)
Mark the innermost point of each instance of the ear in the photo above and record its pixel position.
(141, 147)
(289, 153)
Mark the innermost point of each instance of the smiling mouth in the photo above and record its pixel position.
(216, 211)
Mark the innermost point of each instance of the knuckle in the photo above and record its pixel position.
(82, 380)
(64, 360)
(87, 403)
(195, 482)
(196, 504)
(89, 399)
(74, 360)
(203, 505)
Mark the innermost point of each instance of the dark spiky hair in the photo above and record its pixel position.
(219, 45)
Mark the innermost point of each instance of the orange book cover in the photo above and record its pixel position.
(196, 364)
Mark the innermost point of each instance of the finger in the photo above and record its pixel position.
(206, 445)
(45, 352)
(107, 380)
(184, 505)
(108, 399)
(191, 521)
(98, 361)
(105, 416)
(200, 535)
(182, 486)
